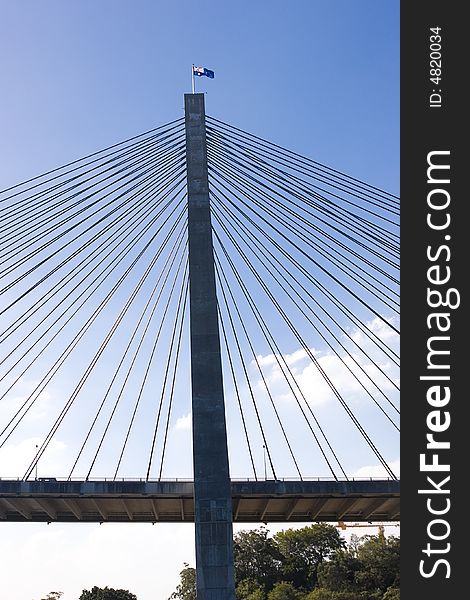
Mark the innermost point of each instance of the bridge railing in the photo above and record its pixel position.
(189, 480)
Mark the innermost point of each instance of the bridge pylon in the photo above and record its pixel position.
(212, 492)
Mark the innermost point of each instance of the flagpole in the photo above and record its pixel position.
(192, 76)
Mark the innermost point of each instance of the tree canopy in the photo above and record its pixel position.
(311, 563)
(256, 557)
(285, 590)
(303, 550)
(186, 589)
(106, 593)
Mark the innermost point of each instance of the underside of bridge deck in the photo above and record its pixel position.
(172, 501)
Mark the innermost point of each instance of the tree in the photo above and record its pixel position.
(380, 560)
(370, 565)
(392, 593)
(285, 590)
(339, 573)
(312, 563)
(256, 557)
(53, 596)
(303, 550)
(324, 594)
(106, 593)
(258, 594)
(186, 589)
(249, 589)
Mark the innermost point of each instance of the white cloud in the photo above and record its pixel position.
(291, 359)
(183, 423)
(299, 355)
(380, 329)
(22, 393)
(311, 381)
(378, 470)
(16, 458)
(265, 361)
(349, 372)
(313, 384)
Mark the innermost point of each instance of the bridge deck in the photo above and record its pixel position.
(172, 501)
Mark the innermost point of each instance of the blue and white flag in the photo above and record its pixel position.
(202, 71)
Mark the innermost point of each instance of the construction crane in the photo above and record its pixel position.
(380, 526)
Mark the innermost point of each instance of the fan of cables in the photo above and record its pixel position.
(307, 259)
(95, 356)
(94, 260)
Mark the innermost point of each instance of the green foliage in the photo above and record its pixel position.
(106, 593)
(303, 550)
(256, 557)
(392, 593)
(370, 565)
(312, 563)
(186, 589)
(53, 596)
(257, 595)
(325, 594)
(320, 594)
(284, 590)
(339, 573)
(380, 559)
(249, 589)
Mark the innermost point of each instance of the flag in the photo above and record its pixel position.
(202, 71)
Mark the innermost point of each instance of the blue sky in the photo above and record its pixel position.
(319, 77)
